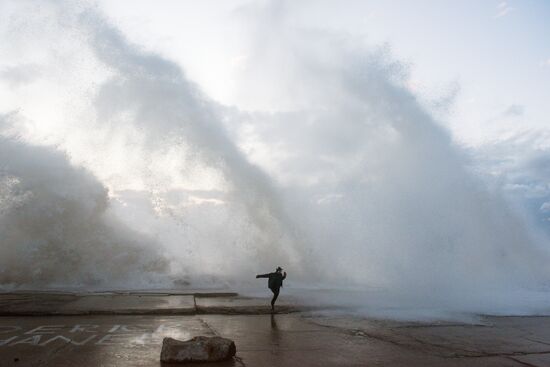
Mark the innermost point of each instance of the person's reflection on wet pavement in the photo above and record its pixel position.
(275, 332)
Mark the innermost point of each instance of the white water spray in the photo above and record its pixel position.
(346, 181)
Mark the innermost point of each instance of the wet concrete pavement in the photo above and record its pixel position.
(283, 339)
(36, 304)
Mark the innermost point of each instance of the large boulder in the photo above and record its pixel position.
(198, 349)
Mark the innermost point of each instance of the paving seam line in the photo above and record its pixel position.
(521, 362)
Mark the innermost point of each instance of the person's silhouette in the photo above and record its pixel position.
(274, 283)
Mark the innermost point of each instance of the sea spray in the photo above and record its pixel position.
(348, 183)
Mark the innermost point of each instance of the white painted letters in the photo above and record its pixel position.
(85, 328)
(46, 329)
(6, 341)
(33, 340)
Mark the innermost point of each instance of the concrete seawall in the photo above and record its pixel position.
(139, 303)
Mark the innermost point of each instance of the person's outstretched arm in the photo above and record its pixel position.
(263, 275)
(284, 275)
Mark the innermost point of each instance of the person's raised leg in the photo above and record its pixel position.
(275, 295)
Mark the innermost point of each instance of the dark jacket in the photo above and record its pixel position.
(275, 279)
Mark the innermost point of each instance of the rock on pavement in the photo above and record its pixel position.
(198, 349)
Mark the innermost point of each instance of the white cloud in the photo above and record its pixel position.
(20, 74)
(330, 198)
(514, 110)
(503, 8)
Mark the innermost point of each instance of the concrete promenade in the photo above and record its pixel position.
(126, 329)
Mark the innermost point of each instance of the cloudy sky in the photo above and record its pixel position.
(492, 58)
